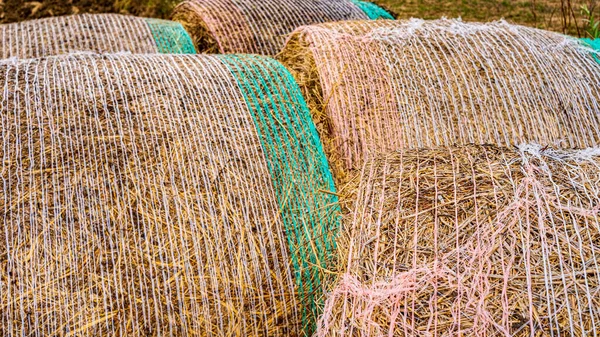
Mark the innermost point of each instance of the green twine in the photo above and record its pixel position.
(373, 11)
(171, 37)
(300, 172)
(594, 44)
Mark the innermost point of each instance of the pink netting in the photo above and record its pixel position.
(383, 85)
(256, 26)
(470, 241)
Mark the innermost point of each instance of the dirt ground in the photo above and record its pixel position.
(19, 10)
(558, 15)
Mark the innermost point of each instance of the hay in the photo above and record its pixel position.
(383, 85)
(152, 195)
(470, 241)
(260, 26)
(100, 33)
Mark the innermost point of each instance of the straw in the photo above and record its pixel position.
(148, 195)
(383, 85)
(261, 26)
(100, 33)
(470, 241)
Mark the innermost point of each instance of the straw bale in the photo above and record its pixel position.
(470, 241)
(99, 33)
(260, 26)
(383, 85)
(153, 195)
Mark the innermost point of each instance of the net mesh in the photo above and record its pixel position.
(384, 85)
(302, 179)
(373, 11)
(470, 241)
(100, 33)
(595, 45)
(256, 26)
(171, 37)
(158, 195)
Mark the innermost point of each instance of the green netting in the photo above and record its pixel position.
(171, 37)
(373, 11)
(302, 180)
(594, 44)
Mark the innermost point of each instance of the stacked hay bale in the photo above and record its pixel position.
(101, 33)
(384, 85)
(261, 26)
(149, 195)
(470, 240)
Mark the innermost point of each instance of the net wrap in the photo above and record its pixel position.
(383, 85)
(470, 240)
(259, 26)
(97, 33)
(159, 195)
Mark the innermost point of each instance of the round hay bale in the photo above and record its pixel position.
(261, 26)
(470, 241)
(152, 195)
(99, 33)
(383, 85)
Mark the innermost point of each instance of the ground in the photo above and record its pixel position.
(18, 10)
(557, 15)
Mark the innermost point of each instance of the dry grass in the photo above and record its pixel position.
(100, 33)
(137, 201)
(557, 15)
(385, 85)
(187, 14)
(19, 10)
(256, 26)
(469, 240)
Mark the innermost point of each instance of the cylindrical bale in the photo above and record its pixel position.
(261, 26)
(98, 33)
(383, 85)
(153, 195)
(469, 241)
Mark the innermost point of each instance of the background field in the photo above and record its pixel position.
(558, 15)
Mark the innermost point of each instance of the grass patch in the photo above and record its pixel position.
(557, 15)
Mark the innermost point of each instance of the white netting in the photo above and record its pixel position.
(100, 33)
(384, 85)
(256, 26)
(136, 200)
(470, 241)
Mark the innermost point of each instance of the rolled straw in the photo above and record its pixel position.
(261, 26)
(470, 241)
(99, 33)
(383, 85)
(152, 195)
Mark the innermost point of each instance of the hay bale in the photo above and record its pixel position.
(471, 241)
(152, 195)
(384, 85)
(259, 26)
(100, 33)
